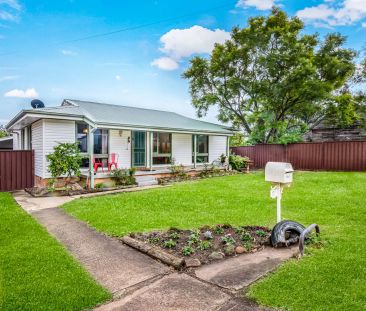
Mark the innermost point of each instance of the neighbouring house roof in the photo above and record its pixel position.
(326, 132)
(6, 143)
(124, 116)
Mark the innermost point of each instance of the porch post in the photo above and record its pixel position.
(227, 146)
(151, 150)
(194, 151)
(91, 155)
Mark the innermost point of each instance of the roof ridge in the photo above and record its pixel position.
(49, 108)
(125, 106)
(149, 109)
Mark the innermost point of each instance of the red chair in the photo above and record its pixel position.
(113, 161)
(96, 164)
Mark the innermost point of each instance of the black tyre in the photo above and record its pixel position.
(286, 232)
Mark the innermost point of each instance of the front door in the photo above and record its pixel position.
(138, 148)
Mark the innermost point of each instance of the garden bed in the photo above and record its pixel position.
(202, 175)
(48, 192)
(201, 246)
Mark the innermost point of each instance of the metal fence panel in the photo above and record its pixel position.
(329, 156)
(16, 169)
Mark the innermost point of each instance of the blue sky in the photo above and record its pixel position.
(40, 56)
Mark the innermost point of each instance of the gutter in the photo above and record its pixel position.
(165, 129)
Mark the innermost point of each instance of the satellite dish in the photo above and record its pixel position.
(36, 103)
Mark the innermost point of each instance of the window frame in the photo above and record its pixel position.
(84, 154)
(198, 154)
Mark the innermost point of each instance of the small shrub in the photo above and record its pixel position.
(187, 250)
(65, 160)
(219, 230)
(248, 246)
(51, 184)
(132, 171)
(239, 230)
(169, 244)
(204, 245)
(205, 172)
(208, 235)
(229, 249)
(237, 162)
(153, 239)
(178, 171)
(99, 186)
(223, 158)
(174, 235)
(193, 238)
(228, 240)
(245, 236)
(123, 177)
(261, 233)
(182, 174)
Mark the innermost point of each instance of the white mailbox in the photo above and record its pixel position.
(279, 172)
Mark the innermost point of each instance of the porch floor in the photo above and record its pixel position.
(154, 171)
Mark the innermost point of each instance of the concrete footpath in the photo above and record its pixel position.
(139, 282)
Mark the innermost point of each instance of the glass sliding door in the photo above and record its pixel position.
(162, 148)
(138, 148)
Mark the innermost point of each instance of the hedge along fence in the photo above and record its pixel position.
(328, 156)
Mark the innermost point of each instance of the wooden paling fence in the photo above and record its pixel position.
(328, 156)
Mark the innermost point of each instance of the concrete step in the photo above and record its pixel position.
(145, 177)
(147, 183)
(146, 180)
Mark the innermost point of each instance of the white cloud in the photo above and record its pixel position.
(165, 63)
(118, 77)
(363, 24)
(68, 53)
(347, 12)
(261, 5)
(180, 43)
(8, 78)
(9, 10)
(14, 4)
(28, 93)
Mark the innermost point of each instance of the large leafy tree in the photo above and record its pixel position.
(275, 82)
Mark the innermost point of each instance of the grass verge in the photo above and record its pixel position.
(36, 272)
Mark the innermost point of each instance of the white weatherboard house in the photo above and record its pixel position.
(142, 138)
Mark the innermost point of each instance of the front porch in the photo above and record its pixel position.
(151, 152)
(143, 177)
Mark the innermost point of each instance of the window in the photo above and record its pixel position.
(29, 137)
(82, 136)
(101, 142)
(201, 149)
(162, 148)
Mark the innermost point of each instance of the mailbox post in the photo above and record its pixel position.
(280, 175)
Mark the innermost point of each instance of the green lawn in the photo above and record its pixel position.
(36, 272)
(333, 278)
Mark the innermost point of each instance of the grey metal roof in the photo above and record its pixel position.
(107, 114)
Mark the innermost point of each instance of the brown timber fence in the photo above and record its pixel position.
(16, 170)
(328, 156)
